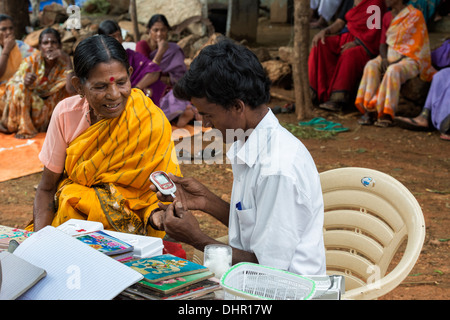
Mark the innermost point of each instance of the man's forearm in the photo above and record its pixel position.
(218, 208)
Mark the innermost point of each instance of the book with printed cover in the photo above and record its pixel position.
(9, 233)
(165, 266)
(105, 243)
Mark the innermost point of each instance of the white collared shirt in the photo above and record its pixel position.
(276, 207)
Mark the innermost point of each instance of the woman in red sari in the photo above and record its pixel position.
(336, 62)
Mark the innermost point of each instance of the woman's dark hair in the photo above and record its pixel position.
(158, 18)
(224, 73)
(4, 17)
(108, 27)
(97, 49)
(52, 31)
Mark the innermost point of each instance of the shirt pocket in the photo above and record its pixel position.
(246, 219)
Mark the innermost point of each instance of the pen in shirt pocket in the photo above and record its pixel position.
(239, 206)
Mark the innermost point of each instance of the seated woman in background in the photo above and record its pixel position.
(170, 58)
(336, 62)
(436, 110)
(405, 56)
(102, 146)
(12, 52)
(43, 79)
(145, 72)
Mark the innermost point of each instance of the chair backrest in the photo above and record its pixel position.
(368, 215)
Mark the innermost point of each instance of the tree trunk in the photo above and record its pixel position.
(18, 10)
(303, 103)
(133, 13)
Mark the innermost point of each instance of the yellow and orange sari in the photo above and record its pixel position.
(27, 110)
(108, 166)
(20, 51)
(409, 55)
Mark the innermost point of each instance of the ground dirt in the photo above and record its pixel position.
(419, 160)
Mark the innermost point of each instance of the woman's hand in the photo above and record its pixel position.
(163, 45)
(384, 65)
(52, 55)
(9, 43)
(320, 36)
(29, 79)
(348, 45)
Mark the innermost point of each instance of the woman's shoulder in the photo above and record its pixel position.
(73, 107)
(145, 105)
(174, 45)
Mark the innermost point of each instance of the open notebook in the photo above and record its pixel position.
(74, 270)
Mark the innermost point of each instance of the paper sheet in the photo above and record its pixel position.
(75, 271)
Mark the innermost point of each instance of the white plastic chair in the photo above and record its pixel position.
(368, 215)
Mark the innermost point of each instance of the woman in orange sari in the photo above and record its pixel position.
(40, 83)
(12, 52)
(340, 52)
(405, 56)
(102, 146)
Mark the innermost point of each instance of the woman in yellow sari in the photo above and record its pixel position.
(405, 55)
(102, 146)
(42, 80)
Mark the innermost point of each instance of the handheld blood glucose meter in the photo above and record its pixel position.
(164, 184)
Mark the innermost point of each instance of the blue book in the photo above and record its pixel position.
(104, 243)
(165, 266)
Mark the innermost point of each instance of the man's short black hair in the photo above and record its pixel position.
(224, 73)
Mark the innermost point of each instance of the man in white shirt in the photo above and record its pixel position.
(275, 216)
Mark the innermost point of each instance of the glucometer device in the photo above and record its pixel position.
(163, 183)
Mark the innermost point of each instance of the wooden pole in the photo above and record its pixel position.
(303, 103)
(134, 20)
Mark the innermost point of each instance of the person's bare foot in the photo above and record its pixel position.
(24, 136)
(418, 123)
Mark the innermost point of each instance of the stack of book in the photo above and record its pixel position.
(9, 233)
(167, 277)
(42, 268)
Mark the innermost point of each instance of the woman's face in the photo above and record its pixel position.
(158, 32)
(49, 44)
(117, 35)
(107, 89)
(6, 30)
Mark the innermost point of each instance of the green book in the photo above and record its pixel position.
(166, 266)
(170, 285)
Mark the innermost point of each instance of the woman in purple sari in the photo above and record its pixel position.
(436, 111)
(148, 76)
(170, 58)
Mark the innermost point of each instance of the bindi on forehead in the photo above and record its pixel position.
(112, 79)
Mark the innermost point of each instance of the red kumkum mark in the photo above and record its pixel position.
(111, 79)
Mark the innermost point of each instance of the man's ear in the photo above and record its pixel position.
(130, 71)
(239, 106)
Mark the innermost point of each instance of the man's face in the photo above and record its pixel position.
(6, 30)
(216, 116)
